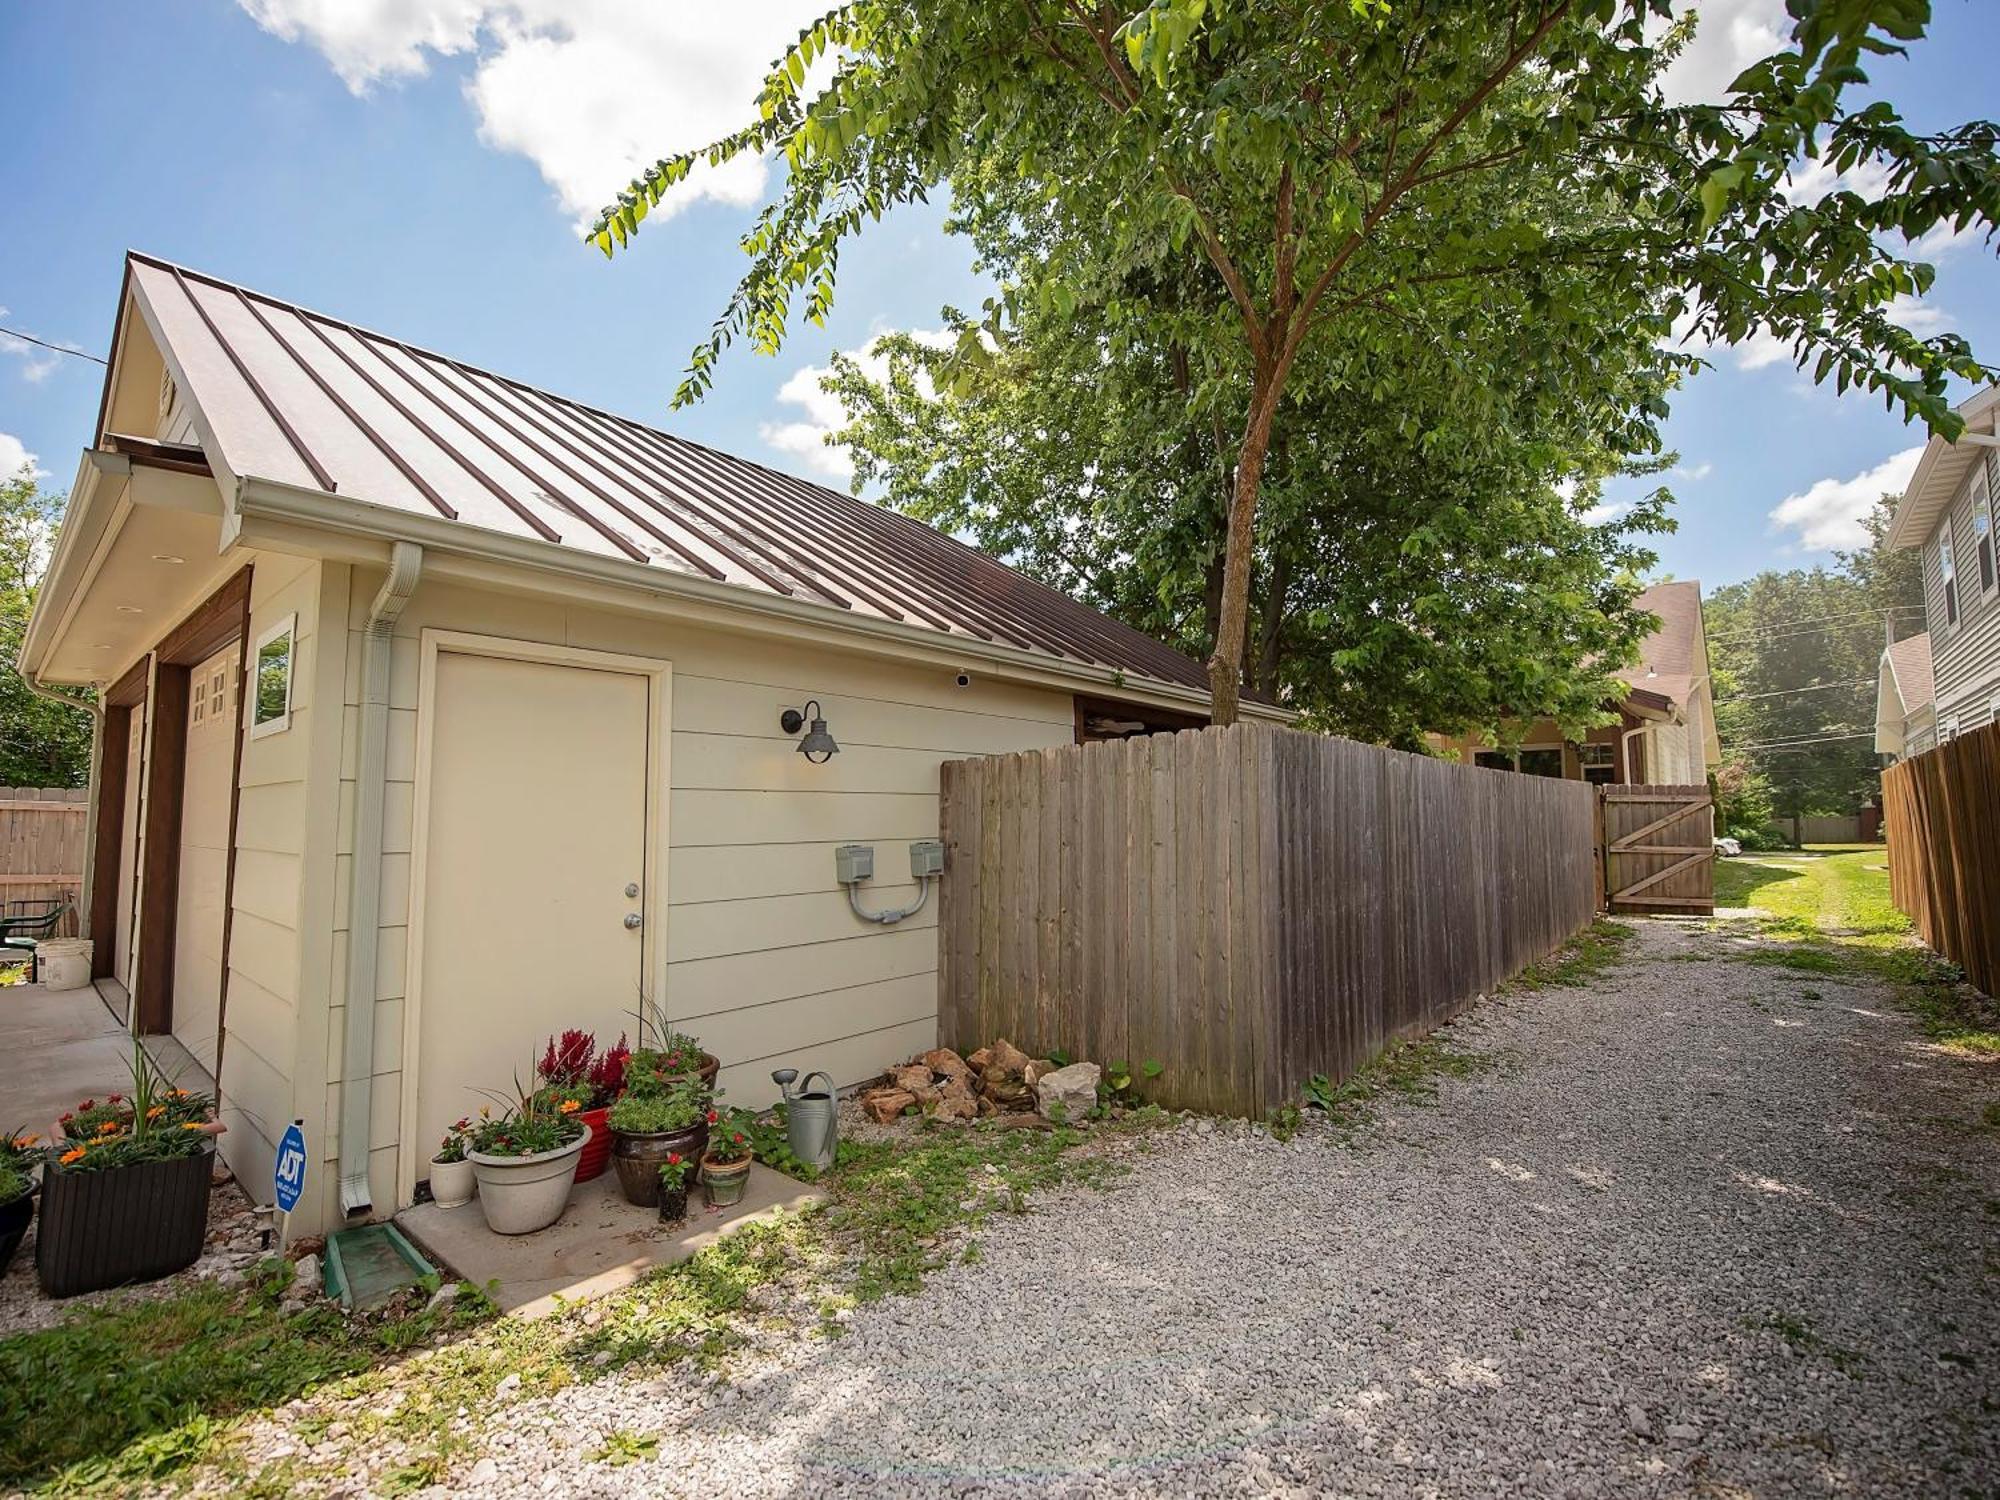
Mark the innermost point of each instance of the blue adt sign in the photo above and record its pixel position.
(291, 1169)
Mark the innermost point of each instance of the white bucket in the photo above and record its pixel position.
(64, 963)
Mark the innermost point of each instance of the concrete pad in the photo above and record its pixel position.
(600, 1244)
(57, 1047)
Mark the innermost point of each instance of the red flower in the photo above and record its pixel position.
(88, 1104)
(114, 1098)
(713, 1117)
(673, 1158)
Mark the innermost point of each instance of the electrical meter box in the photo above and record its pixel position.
(854, 862)
(926, 858)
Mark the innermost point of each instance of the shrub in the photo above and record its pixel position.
(13, 1183)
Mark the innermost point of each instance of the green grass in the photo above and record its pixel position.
(1827, 911)
(138, 1391)
(1590, 953)
(1409, 1071)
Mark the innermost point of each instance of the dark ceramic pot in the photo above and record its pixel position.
(128, 1224)
(14, 1219)
(637, 1159)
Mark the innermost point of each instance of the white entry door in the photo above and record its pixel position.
(534, 884)
(128, 849)
(204, 855)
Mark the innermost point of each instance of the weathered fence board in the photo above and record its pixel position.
(1941, 812)
(41, 847)
(1659, 849)
(1244, 906)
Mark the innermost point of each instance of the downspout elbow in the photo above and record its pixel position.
(365, 890)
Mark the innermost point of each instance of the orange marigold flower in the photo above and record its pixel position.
(570, 1106)
(156, 1111)
(71, 1158)
(190, 1124)
(109, 1127)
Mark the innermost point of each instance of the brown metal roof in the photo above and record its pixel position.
(304, 399)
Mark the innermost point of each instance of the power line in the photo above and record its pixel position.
(1817, 687)
(1823, 739)
(29, 338)
(1824, 622)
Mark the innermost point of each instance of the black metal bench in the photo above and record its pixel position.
(27, 930)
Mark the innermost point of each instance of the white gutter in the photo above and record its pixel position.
(277, 501)
(406, 564)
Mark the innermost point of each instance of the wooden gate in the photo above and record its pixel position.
(1659, 849)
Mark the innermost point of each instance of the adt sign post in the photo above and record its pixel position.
(289, 1175)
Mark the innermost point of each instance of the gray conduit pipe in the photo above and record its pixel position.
(406, 564)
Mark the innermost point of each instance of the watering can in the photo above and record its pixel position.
(812, 1120)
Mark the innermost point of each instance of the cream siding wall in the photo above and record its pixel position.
(268, 915)
(765, 962)
(1965, 658)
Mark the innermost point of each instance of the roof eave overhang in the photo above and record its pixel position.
(272, 510)
(77, 547)
(1940, 472)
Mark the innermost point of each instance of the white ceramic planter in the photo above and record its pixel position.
(520, 1194)
(453, 1182)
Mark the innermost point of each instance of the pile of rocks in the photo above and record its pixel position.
(1000, 1082)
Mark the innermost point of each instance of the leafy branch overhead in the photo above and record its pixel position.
(1292, 169)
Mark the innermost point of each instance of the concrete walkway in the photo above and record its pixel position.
(60, 1047)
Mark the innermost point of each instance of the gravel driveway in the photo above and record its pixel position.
(1705, 1228)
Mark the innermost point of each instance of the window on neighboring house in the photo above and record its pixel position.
(1598, 762)
(1544, 762)
(1948, 572)
(1982, 532)
(1493, 760)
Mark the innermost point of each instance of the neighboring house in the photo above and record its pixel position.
(1947, 512)
(1905, 702)
(1665, 733)
(441, 714)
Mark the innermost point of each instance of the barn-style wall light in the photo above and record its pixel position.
(818, 746)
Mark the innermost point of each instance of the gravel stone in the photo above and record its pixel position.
(1748, 1209)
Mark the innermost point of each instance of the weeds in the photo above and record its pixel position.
(1409, 1071)
(1800, 1334)
(1590, 953)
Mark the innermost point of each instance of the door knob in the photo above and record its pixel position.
(633, 919)
(632, 890)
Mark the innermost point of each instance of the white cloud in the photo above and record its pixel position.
(824, 412)
(37, 363)
(590, 91)
(1693, 473)
(1828, 515)
(1729, 35)
(14, 457)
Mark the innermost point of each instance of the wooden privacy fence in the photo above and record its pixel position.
(1941, 812)
(1659, 849)
(1245, 906)
(41, 846)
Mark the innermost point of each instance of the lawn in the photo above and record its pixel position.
(1828, 907)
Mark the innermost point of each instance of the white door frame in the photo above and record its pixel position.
(653, 937)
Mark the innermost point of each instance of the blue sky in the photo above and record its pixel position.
(422, 167)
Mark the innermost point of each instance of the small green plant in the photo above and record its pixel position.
(622, 1448)
(771, 1143)
(1283, 1120)
(1119, 1085)
(674, 1171)
(1590, 953)
(155, 1122)
(656, 1111)
(457, 1141)
(527, 1125)
(729, 1140)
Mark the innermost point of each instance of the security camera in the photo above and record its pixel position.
(964, 679)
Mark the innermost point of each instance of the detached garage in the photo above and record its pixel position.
(440, 714)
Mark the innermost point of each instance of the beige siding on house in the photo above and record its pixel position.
(1965, 657)
(261, 1022)
(764, 960)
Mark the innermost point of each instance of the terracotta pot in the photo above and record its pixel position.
(453, 1182)
(638, 1157)
(520, 1194)
(724, 1181)
(126, 1224)
(597, 1150)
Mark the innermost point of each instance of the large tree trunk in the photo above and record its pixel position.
(1225, 666)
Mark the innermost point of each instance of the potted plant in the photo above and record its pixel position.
(573, 1068)
(725, 1167)
(20, 1156)
(453, 1180)
(673, 1188)
(650, 1122)
(125, 1193)
(673, 1055)
(525, 1162)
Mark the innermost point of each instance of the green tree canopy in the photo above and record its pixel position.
(41, 743)
(1316, 161)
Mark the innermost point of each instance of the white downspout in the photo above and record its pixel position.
(406, 563)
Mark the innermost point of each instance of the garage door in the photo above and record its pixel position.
(211, 757)
(534, 872)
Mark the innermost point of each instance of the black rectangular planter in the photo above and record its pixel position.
(135, 1223)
